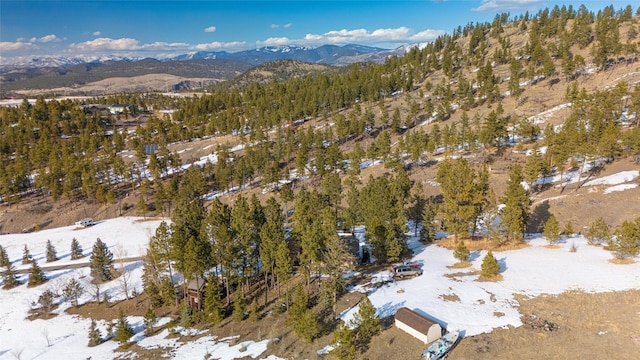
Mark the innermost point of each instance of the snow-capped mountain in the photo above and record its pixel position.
(325, 54)
(61, 61)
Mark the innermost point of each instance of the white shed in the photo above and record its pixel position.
(417, 325)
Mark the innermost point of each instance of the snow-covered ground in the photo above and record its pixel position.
(483, 306)
(66, 336)
(453, 297)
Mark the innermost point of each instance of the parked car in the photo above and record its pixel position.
(402, 271)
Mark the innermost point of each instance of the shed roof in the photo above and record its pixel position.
(196, 284)
(414, 320)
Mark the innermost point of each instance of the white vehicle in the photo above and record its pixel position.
(85, 222)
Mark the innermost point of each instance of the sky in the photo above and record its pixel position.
(40, 28)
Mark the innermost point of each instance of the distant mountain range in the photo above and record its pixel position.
(206, 67)
(325, 54)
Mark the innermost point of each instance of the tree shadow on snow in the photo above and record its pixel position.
(474, 255)
(503, 264)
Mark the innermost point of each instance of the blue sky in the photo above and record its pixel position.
(30, 28)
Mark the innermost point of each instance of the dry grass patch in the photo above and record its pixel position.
(476, 244)
(549, 246)
(498, 314)
(460, 265)
(449, 297)
(494, 278)
(587, 324)
(622, 261)
(459, 274)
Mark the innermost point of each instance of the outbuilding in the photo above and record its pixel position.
(417, 325)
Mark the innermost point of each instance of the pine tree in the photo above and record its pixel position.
(568, 229)
(149, 321)
(123, 330)
(186, 320)
(461, 253)
(101, 263)
(76, 249)
(254, 315)
(307, 326)
(72, 291)
(94, 334)
(238, 310)
(516, 212)
(36, 276)
(343, 340)
(598, 232)
(26, 256)
(365, 322)
(4, 258)
(552, 230)
(51, 252)
(212, 309)
(490, 266)
(627, 240)
(9, 277)
(428, 229)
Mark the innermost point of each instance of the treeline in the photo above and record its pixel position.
(56, 147)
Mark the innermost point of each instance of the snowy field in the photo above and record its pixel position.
(65, 336)
(479, 307)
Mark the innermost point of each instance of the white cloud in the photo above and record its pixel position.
(286, 26)
(14, 46)
(217, 45)
(97, 33)
(507, 5)
(107, 44)
(427, 35)
(45, 39)
(275, 41)
(49, 38)
(275, 26)
(359, 36)
(210, 29)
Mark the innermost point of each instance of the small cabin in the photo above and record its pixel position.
(352, 245)
(417, 325)
(195, 293)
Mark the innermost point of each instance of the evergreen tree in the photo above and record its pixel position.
(26, 256)
(212, 309)
(253, 310)
(4, 258)
(9, 277)
(490, 266)
(343, 340)
(552, 230)
(36, 276)
(238, 310)
(428, 229)
(101, 263)
(124, 331)
(186, 316)
(516, 212)
(568, 229)
(598, 232)
(307, 326)
(365, 322)
(76, 249)
(94, 334)
(627, 240)
(51, 252)
(463, 195)
(461, 253)
(72, 291)
(149, 321)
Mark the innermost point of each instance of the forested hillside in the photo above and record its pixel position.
(479, 112)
